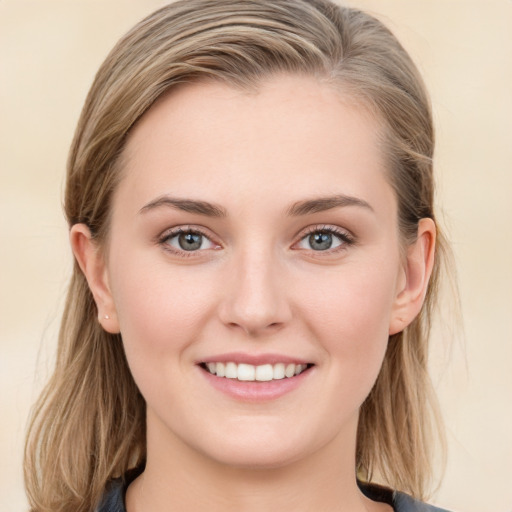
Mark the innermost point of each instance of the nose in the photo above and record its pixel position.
(255, 298)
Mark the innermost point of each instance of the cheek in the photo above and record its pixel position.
(351, 316)
(159, 308)
(161, 314)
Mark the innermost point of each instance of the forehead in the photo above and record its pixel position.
(292, 133)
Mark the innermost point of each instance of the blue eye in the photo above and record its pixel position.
(188, 240)
(324, 239)
(321, 241)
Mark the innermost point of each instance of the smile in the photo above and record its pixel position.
(252, 373)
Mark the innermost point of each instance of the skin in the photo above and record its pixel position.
(256, 286)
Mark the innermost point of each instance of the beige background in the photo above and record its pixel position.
(49, 51)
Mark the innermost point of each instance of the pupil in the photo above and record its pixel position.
(190, 241)
(320, 241)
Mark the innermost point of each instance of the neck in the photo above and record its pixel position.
(178, 477)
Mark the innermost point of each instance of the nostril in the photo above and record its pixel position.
(256, 328)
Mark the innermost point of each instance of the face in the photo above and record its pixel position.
(254, 269)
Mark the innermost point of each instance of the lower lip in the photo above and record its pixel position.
(256, 391)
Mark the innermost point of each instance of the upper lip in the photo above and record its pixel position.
(253, 359)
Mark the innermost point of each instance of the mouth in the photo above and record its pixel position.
(254, 373)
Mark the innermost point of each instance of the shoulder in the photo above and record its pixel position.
(113, 499)
(404, 503)
(400, 501)
(115, 491)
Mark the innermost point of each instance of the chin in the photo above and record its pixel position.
(264, 447)
(257, 457)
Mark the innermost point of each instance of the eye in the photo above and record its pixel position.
(188, 240)
(325, 239)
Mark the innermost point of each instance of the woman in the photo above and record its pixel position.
(250, 201)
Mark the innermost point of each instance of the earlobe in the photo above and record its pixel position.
(92, 263)
(418, 268)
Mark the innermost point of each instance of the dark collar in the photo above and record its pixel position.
(113, 499)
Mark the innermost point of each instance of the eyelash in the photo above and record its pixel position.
(169, 235)
(345, 239)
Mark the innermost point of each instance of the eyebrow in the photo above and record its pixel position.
(186, 205)
(299, 208)
(322, 204)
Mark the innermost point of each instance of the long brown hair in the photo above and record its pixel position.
(89, 423)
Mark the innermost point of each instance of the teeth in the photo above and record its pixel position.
(251, 373)
(220, 369)
(278, 371)
(290, 370)
(299, 368)
(231, 371)
(246, 372)
(264, 372)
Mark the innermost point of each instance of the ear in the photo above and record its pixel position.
(418, 268)
(92, 262)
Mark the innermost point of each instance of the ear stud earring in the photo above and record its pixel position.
(107, 317)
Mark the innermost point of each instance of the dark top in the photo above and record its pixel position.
(113, 500)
